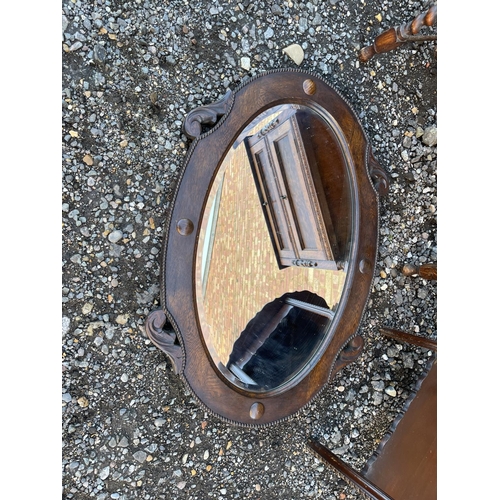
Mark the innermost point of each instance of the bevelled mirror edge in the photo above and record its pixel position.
(239, 170)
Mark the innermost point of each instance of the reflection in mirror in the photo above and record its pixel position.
(274, 247)
(278, 328)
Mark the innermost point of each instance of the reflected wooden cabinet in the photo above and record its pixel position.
(291, 193)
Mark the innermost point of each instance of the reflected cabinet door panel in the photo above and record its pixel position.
(283, 171)
(266, 176)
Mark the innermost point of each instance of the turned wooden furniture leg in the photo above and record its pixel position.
(426, 271)
(394, 37)
(401, 336)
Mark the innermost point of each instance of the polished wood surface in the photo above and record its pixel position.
(426, 271)
(395, 37)
(402, 336)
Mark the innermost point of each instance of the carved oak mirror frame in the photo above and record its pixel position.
(187, 350)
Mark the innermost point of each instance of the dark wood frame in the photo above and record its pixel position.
(187, 349)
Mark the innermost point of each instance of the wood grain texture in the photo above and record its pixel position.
(395, 37)
(425, 271)
(402, 336)
(211, 387)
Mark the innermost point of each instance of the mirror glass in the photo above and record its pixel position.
(274, 246)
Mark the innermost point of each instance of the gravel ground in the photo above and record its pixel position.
(130, 73)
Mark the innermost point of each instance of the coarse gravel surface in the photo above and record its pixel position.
(131, 72)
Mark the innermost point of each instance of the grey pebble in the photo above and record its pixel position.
(76, 46)
(342, 450)
(140, 456)
(66, 322)
(99, 53)
(65, 23)
(116, 250)
(391, 391)
(430, 136)
(337, 438)
(104, 473)
(115, 236)
(268, 33)
(392, 352)
(123, 442)
(276, 10)
(245, 63)
(76, 259)
(317, 20)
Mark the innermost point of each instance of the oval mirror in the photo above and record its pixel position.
(273, 249)
(269, 248)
